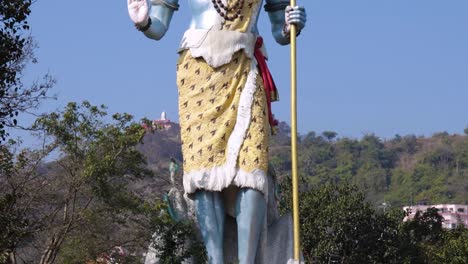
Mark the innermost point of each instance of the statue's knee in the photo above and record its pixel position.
(250, 200)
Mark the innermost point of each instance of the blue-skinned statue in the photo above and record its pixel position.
(225, 92)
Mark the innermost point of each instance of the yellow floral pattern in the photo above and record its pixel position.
(208, 101)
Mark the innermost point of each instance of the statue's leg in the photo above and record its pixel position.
(250, 213)
(211, 216)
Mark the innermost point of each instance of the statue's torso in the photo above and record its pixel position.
(205, 16)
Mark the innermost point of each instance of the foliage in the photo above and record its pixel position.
(99, 154)
(453, 247)
(96, 163)
(337, 224)
(329, 135)
(73, 206)
(16, 51)
(398, 171)
(176, 241)
(12, 226)
(426, 226)
(96, 159)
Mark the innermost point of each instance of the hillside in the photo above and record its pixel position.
(401, 171)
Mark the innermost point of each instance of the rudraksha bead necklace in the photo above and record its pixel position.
(224, 10)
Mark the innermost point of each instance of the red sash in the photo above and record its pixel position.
(270, 87)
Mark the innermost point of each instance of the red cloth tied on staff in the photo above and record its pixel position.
(268, 83)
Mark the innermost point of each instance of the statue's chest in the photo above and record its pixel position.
(239, 15)
(212, 4)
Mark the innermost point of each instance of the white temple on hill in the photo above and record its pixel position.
(163, 123)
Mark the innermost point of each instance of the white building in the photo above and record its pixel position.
(453, 214)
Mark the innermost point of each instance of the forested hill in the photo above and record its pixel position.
(400, 171)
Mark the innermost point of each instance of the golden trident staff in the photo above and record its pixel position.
(295, 180)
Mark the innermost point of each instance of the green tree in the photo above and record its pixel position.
(96, 163)
(176, 241)
(329, 135)
(16, 51)
(339, 224)
(453, 248)
(417, 235)
(14, 225)
(425, 226)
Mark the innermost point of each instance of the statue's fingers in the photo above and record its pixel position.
(302, 12)
(300, 8)
(297, 11)
(302, 21)
(300, 25)
(134, 5)
(297, 16)
(298, 21)
(294, 18)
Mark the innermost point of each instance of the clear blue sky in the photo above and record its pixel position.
(365, 66)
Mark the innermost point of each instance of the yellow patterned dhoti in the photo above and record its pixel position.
(224, 124)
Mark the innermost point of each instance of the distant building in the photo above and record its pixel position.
(162, 123)
(453, 214)
(159, 124)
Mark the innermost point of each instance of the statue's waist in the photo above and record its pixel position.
(218, 46)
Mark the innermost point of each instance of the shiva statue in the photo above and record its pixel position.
(225, 93)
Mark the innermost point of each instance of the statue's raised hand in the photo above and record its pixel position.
(138, 11)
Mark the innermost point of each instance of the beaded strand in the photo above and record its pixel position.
(224, 10)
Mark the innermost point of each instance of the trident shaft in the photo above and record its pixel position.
(295, 180)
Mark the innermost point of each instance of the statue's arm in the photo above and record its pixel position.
(152, 17)
(282, 16)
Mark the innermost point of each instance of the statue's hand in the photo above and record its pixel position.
(294, 15)
(138, 11)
